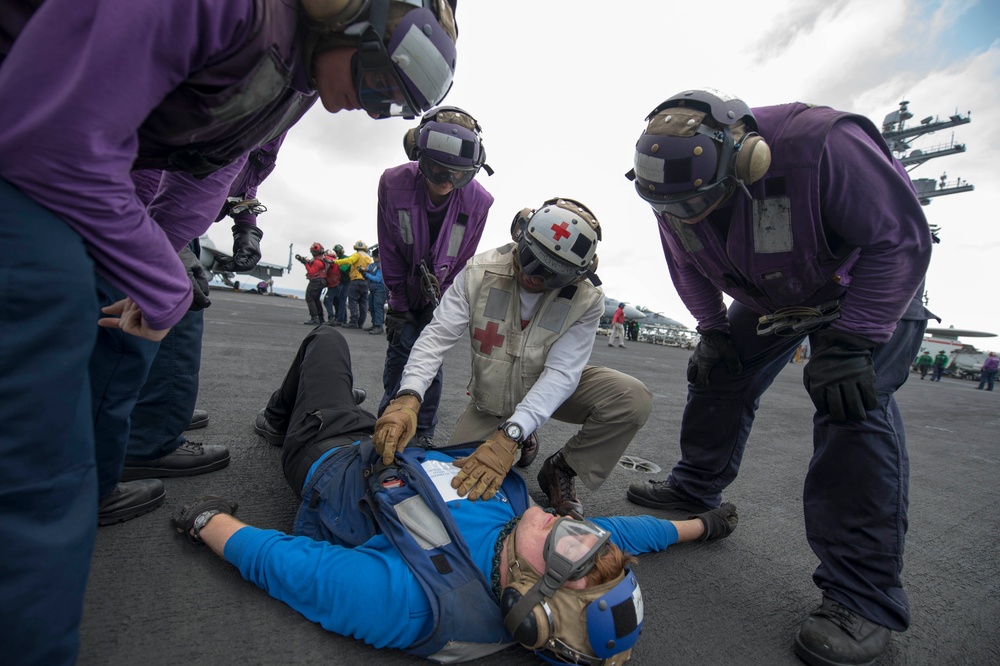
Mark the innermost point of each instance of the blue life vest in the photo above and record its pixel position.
(352, 496)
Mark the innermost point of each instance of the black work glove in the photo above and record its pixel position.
(713, 347)
(199, 279)
(395, 322)
(719, 523)
(840, 376)
(184, 519)
(246, 249)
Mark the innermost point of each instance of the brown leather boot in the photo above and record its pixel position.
(529, 451)
(556, 481)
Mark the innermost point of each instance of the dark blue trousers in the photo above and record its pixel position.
(119, 366)
(855, 493)
(167, 399)
(329, 302)
(340, 298)
(48, 487)
(376, 305)
(357, 296)
(396, 356)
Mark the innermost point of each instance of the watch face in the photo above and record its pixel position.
(513, 431)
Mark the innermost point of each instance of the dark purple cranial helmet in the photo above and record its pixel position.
(448, 146)
(698, 147)
(411, 71)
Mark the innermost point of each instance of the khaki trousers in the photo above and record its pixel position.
(610, 406)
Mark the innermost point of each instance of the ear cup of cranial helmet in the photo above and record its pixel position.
(533, 630)
(520, 220)
(410, 144)
(753, 159)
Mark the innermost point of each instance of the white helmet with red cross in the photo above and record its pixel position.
(557, 242)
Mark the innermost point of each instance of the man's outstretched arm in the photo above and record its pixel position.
(217, 531)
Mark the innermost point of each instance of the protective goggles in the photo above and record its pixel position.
(572, 548)
(381, 91)
(541, 271)
(692, 206)
(439, 174)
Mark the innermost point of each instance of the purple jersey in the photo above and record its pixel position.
(834, 217)
(92, 80)
(404, 232)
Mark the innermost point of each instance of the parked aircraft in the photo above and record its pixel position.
(212, 255)
(611, 304)
(966, 360)
(936, 339)
(658, 319)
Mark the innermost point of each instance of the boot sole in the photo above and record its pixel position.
(272, 438)
(136, 473)
(195, 425)
(674, 505)
(121, 515)
(813, 659)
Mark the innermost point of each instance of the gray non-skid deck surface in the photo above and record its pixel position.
(153, 598)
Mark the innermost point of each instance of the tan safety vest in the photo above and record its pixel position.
(506, 360)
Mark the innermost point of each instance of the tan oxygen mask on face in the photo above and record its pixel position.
(596, 625)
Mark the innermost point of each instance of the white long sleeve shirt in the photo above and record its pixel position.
(563, 365)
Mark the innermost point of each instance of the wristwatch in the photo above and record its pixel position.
(401, 393)
(201, 520)
(513, 431)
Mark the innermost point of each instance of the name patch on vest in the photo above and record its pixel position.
(496, 304)
(455, 237)
(405, 228)
(554, 317)
(689, 239)
(772, 225)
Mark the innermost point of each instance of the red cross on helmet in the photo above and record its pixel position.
(557, 243)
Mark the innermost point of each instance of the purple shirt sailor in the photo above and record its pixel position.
(93, 91)
(802, 216)
(431, 215)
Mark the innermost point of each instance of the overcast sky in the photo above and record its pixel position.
(562, 88)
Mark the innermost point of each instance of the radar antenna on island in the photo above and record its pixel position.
(900, 137)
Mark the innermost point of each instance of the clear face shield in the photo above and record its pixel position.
(381, 91)
(411, 74)
(693, 206)
(685, 176)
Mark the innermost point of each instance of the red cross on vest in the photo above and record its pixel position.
(559, 231)
(488, 338)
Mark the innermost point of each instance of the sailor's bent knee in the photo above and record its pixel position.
(626, 399)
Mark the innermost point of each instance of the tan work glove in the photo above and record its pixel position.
(396, 427)
(484, 471)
